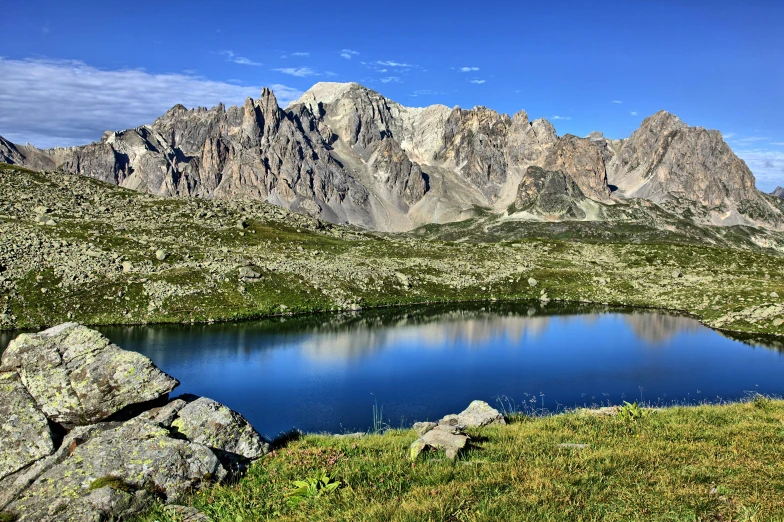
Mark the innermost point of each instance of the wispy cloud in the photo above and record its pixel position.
(468, 69)
(297, 55)
(300, 72)
(61, 103)
(728, 135)
(427, 92)
(633, 113)
(617, 101)
(240, 60)
(348, 54)
(750, 139)
(389, 63)
(390, 79)
(556, 117)
(780, 143)
(478, 82)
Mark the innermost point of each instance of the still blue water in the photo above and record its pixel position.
(325, 373)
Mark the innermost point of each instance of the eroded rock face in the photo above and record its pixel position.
(666, 160)
(583, 161)
(25, 436)
(77, 377)
(549, 193)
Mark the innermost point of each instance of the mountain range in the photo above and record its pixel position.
(347, 154)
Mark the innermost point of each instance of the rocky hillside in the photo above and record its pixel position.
(76, 249)
(344, 153)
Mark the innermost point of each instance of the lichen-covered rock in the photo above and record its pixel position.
(479, 414)
(24, 431)
(137, 455)
(13, 485)
(101, 504)
(225, 431)
(77, 377)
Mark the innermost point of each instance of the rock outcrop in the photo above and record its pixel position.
(93, 444)
(551, 194)
(77, 377)
(345, 153)
(778, 192)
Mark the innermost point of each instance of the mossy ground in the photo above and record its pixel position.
(712, 463)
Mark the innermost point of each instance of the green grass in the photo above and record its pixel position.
(712, 463)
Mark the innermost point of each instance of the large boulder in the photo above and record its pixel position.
(77, 377)
(25, 436)
(138, 458)
(223, 430)
(479, 414)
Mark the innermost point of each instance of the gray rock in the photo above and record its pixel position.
(223, 430)
(138, 455)
(77, 377)
(442, 437)
(127, 266)
(25, 436)
(479, 414)
(13, 485)
(161, 255)
(423, 427)
(532, 282)
(676, 274)
(402, 279)
(249, 274)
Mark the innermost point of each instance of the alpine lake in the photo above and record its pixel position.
(380, 368)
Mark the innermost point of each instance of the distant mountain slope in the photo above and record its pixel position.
(347, 154)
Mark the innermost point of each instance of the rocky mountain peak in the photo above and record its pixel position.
(346, 153)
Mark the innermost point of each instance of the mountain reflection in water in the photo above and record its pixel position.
(325, 372)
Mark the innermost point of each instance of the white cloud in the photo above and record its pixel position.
(300, 54)
(393, 64)
(62, 103)
(617, 101)
(767, 166)
(348, 53)
(301, 72)
(561, 117)
(240, 60)
(729, 135)
(750, 139)
(390, 79)
(478, 82)
(780, 143)
(633, 113)
(468, 69)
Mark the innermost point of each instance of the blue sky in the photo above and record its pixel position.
(70, 70)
